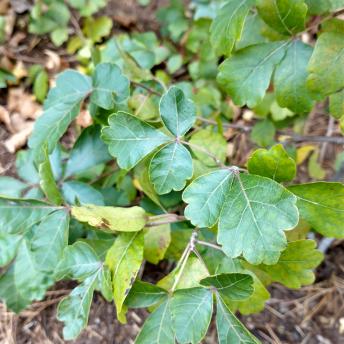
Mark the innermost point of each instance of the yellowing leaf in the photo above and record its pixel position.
(111, 218)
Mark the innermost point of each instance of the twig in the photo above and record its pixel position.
(166, 219)
(289, 136)
(147, 88)
(325, 144)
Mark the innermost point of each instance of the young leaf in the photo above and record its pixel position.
(47, 181)
(285, 16)
(212, 142)
(246, 74)
(60, 108)
(156, 241)
(124, 260)
(111, 218)
(177, 112)
(130, 139)
(49, 239)
(294, 268)
(326, 66)
(274, 163)
(74, 309)
(170, 167)
(79, 262)
(290, 78)
(143, 294)
(260, 209)
(191, 314)
(230, 286)
(110, 86)
(158, 328)
(229, 328)
(89, 150)
(227, 27)
(322, 206)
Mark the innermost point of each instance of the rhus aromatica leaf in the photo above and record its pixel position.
(252, 212)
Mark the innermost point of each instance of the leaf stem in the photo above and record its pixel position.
(201, 259)
(164, 219)
(147, 88)
(205, 243)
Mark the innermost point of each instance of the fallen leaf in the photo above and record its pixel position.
(19, 139)
(5, 117)
(23, 103)
(53, 62)
(84, 119)
(19, 70)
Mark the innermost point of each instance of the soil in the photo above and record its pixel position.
(312, 315)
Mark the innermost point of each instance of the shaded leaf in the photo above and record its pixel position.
(111, 218)
(8, 247)
(274, 163)
(11, 187)
(230, 286)
(156, 241)
(294, 268)
(322, 206)
(75, 192)
(284, 16)
(143, 294)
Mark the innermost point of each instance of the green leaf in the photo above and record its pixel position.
(30, 281)
(79, 262)
(11, 187)
(143, 294)
(49, 239)
(74, 309)
(260, 209)
(230, 286)
(10, 293)
(86, 7)
(41, 85)
(211, 142)
(229, 328)
(130, 139)
(60, 108)
(170, 167)
(18, 216)
(263, 133)
(110, 86)
(285, 16)
(274, 163)
(59, 36)
(75, 192)
(124, 260)
(177, 111)
(97, 28)
(294, 268)
(8, 247)
(227, 27)
(326, 66)
(337, 104)
(111, 218)
(191, 314)
(290, 78)
(158, 329)
(156, 241)
(88, 151)
(246, 75)
(47, 181)
(322, 206)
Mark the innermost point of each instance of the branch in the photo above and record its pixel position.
(290, 137)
